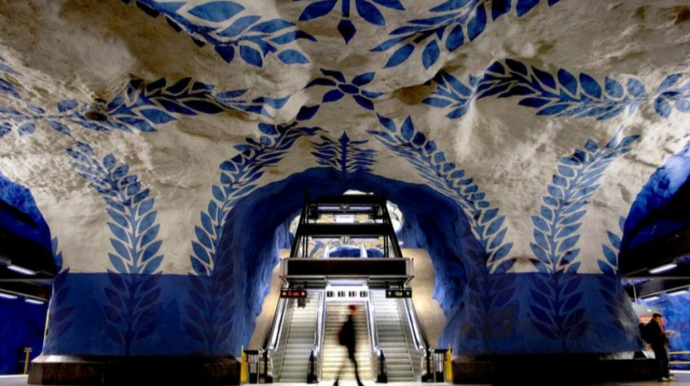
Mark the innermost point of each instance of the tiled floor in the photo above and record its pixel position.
(681, 379)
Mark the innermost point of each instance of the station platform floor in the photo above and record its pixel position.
(682, 378)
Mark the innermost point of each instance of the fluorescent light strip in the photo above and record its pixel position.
(663, 268)
(21, 270)
(34, 301)
(651, 298)
(676, 293)
(8, 296)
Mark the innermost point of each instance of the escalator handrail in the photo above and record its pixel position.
(376, 350)
(420, 342)
(277, 325)
(319, 331)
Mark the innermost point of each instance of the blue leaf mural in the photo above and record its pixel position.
(60, 308)
(561, 94)
(344, 155)
(131, 299)
(141, 107)
(368, 10)
(560, 215)
(610, 250)
(208, 316)
(227, 26)
(452, 24)
(341, 87)
(445, 177)
(556, 310)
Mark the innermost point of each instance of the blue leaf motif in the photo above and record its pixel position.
(613, 88)
(590, 85)
(271, 26)
(524, 6)
(455, 38)
(363, 79)
(476, 26)
(239, 26)
(317, 9)
(407, 129)
(369, 12)
(636, 88)
(216, 11)
(27, 128)
(291, 56)
(400, 56)
(430, 54)
(251, 56)
(669, 82)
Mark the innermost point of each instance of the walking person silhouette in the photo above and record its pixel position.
(347, 336)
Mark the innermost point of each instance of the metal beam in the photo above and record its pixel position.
(25, 289)
(656, 286)
(352, 230)
(654, 253)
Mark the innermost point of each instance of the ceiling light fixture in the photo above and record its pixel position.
(663, 268)
(21, 270)
(651, 298)
(34, 301)
(8, 296)
(678, 292)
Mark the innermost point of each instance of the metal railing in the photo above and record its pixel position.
(376, 354)
(273, 341)
(316, 355)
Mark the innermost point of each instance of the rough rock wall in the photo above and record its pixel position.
(537, 121)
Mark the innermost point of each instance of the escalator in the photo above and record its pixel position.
(395, 338)
(291, 360)
(334, 354)
(303, 343)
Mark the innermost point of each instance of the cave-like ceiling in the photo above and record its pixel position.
(541, 119)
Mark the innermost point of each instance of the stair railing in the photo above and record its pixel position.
(274, 340)
(319, 337)
(418, 338)
(378, 358)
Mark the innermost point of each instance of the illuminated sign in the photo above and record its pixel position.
(405, 293)
(293, 293)
(347, 294)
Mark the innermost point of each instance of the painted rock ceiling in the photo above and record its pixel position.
(542, 119)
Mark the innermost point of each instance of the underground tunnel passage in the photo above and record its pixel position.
(173, 183)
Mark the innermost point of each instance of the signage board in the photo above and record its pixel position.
(403, 293)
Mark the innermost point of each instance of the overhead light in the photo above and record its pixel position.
(651, 298)
(344, 218)
(678, 292)
(8, 296)
(360, 208)
(21, 270)
(329, 207)
(663, 268)
(34, 301)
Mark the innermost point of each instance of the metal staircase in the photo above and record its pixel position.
(334, 354)
(291, 361)
(402, 360)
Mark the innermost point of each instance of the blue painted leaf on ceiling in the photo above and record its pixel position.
(344, 155)
(227, 26)
(456, 21)
(560, 95)
(367, 10)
